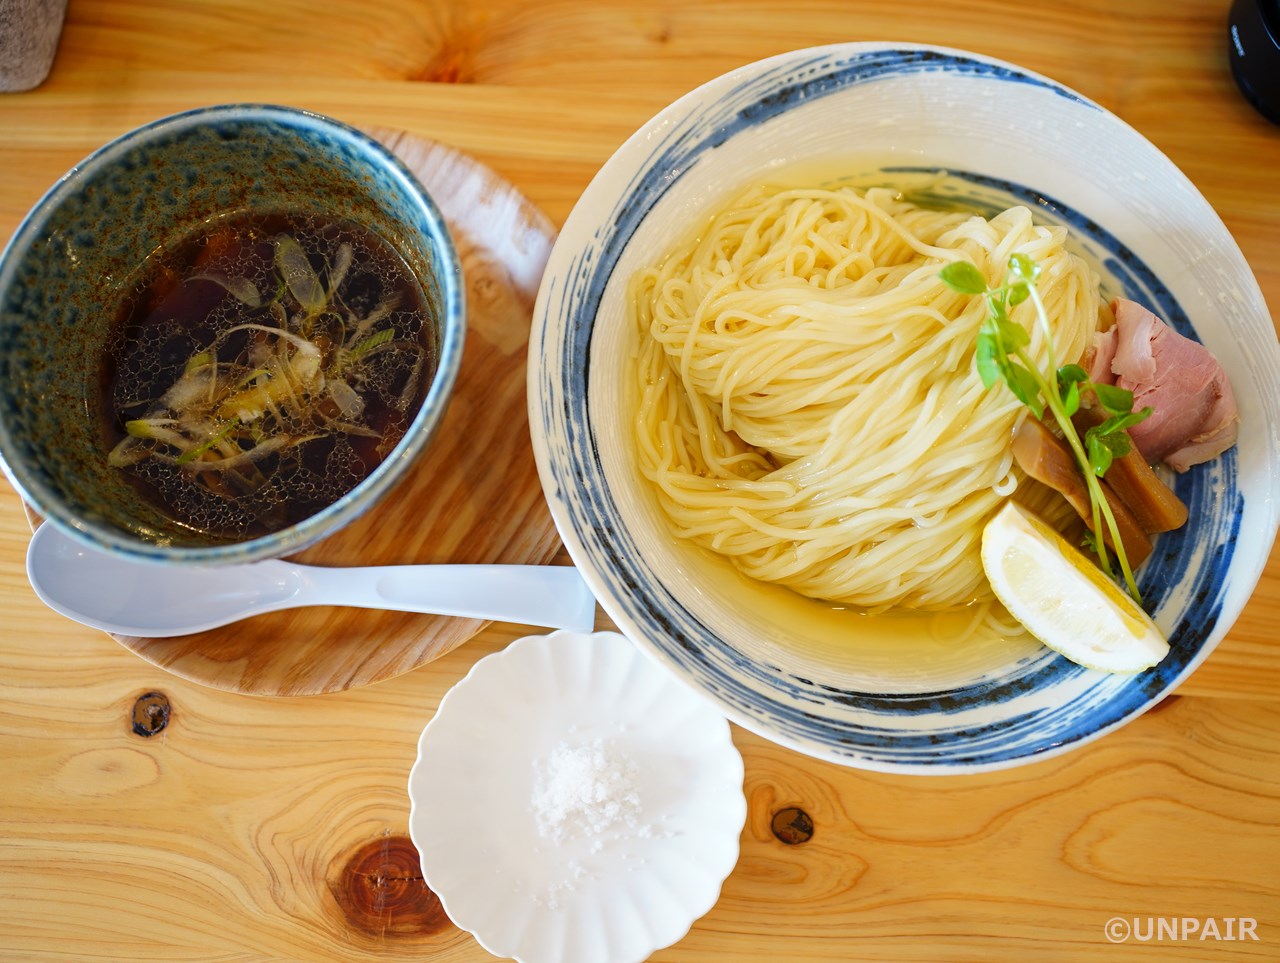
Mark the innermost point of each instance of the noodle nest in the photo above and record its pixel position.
(808, 405)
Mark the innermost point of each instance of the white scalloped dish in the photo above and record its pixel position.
(573, 802)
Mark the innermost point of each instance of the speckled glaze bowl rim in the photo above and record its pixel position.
(448, 269)
(592, 249)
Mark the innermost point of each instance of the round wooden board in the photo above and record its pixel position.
(474, 496)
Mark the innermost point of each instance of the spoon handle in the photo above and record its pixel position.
(548, 595)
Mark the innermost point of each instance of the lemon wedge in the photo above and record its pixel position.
(1063, 599)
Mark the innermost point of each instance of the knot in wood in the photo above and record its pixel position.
(150, 713)
(792, 825)
(381, 891)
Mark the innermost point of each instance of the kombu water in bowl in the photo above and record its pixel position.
(289, 353)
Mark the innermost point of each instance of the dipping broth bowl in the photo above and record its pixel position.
(69, 265)
(883, 693)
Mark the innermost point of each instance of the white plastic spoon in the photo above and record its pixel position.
(151, 600)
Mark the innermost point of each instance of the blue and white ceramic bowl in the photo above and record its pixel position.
(883, 694)
(64, 272)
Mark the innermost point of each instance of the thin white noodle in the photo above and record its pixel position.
(808, 403)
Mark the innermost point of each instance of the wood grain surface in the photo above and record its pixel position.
(255, 828)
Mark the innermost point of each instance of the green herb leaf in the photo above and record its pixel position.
(1119, 423)
(1120, 443)
(1021, 266)
(1071, 400)
(1070, 378)
(1111, 434)
(1024, 387)
(1114, 401)
(964, 277)
(1018, 293)
(1069, 373)
(1012, 335)
(987, 355)
(1100, 454)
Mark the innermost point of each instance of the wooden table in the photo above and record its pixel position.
(256, 828)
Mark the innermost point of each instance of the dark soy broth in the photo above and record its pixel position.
(261, 370)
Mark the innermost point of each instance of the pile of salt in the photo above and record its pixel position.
(588, 789)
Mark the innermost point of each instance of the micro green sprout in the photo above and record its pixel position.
(1002, 355)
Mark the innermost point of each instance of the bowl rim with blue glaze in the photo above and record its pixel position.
(298, 123)
(1158, 240)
